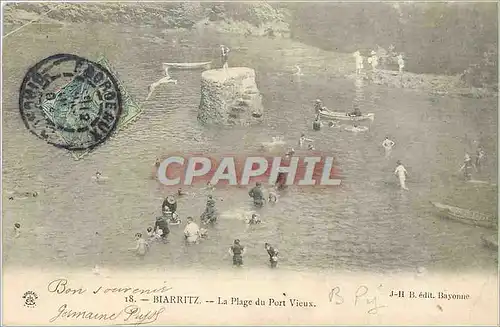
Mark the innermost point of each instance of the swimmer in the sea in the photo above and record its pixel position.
(273, 195)
(17, 230)
(203, 233)
(303, 139)
(210, 187)
(23, 195)
(254, 220)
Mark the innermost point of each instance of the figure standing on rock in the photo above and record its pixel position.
(224, 53)
(401, 63)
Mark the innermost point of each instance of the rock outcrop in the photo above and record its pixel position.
(230, 97)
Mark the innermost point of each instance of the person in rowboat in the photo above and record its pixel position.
(224, 54)
(356, 112)
(319, 107)
(165, 80)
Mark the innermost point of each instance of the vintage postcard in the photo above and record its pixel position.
(249, 163)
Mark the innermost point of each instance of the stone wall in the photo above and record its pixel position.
(230, 97)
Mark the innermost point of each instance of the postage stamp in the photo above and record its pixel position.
(70, 102)
(131, 110)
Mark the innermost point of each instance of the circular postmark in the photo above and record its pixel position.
(70, 102)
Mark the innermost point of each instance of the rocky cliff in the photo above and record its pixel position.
(230, 97)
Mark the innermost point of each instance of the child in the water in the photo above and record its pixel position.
(255, 219)
(141, 247)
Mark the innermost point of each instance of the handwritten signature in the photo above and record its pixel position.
(131, 314)
(360, 297)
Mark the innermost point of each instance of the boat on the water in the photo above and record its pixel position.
(187, 65)
(356, 129)
(490, 241)
(344, 116)
(465, 216)
(475, 181)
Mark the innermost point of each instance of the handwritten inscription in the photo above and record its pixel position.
(131, 314)
(363, 297)
(61, 286)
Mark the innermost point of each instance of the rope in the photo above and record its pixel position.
(34, 20)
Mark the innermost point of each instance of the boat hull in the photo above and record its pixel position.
(187, 65)
(343, 116)
(466, 216)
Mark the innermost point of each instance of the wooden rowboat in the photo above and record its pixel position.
(344, 116)
(187, 65)
(466, 216)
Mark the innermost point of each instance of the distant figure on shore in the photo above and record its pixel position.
(401, 173)
(401, 63)
(224, 54)
(467, 167)
(273, 255)
(388, 144)
(165, 80)
(359, 62)
(237, 251)
(373, 60)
